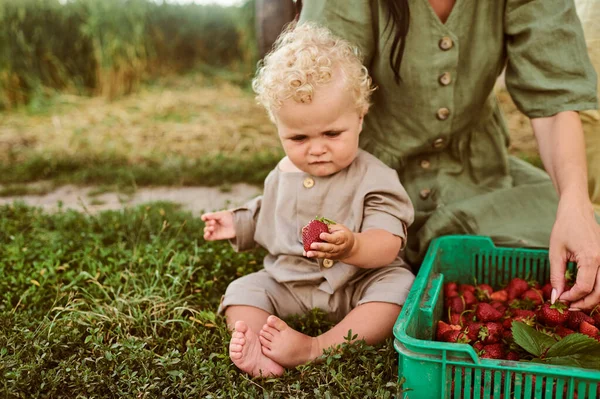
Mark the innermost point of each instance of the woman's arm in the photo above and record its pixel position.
(576, 234)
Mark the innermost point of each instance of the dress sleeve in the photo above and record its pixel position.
(348, 19)
(244, 220)
(548, 69)
(387, 205)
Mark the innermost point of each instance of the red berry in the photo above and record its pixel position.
(512, 356)
(470, 299)
(466, 287)
(473, 329)
(486, 312)
(547, 291)
(501, 295)
(312, 231)
(589, 329)
(450, 289)
(575, 318)
(443, 328)
(456, 304)
(493, 351)
(553, 315)
(534, 296)
(491, 333)
(456, 336)
(563, 331)
(516, 287)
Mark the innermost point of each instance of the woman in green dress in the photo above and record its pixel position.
(436, 120)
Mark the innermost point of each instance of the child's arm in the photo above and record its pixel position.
(218, 226)
(368, 249)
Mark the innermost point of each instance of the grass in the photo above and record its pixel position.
(122, 304)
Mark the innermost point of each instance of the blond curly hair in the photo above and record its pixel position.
(304, 57)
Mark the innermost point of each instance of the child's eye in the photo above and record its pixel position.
(332, 134)
(298, 138)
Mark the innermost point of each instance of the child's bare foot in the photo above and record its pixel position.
(245, 352)
(287, 346)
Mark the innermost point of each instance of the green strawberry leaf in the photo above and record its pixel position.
(575, 344)
(531, 340)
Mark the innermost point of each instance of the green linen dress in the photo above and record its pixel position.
(441, 128)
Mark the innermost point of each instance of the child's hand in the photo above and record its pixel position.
(219, 226)
(338, 243)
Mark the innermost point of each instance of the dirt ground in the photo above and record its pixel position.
(185, 117)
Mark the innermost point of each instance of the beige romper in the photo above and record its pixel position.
(366, 195)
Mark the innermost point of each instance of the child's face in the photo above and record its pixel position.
(321, 138)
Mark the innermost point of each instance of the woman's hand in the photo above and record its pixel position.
(338, 244)
(576, 237)
(219, 226)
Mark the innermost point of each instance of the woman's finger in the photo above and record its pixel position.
(586, 280)
(593, 299)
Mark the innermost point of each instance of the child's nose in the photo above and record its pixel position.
(317, 148)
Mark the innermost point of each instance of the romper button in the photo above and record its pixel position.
(327, 263)
(424, 194)
(443, 113)
(308, 182)
(425, 164)
(438, 143)
(445, 79)
(446, 43)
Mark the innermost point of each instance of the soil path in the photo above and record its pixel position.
(194, 199)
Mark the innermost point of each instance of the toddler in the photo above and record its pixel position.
(316, 91)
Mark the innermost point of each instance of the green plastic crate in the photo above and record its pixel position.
(434, 369)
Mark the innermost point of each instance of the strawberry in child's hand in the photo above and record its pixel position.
(312, 231)
(553, 315)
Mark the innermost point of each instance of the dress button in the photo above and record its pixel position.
(443, 113)
(438, 143)
(425, 164)
(446, 43)
(424, 194)
(445, 79)
(308, 182)
(327, 263)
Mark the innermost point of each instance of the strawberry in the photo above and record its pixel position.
(466, 287)
(473, 329)
(516, 287)
(312, 231)
(450, 290)
(478, 346)
(563, 331)
(491, 333)
(553, 315)
(512, 356)
(470, 299)
(483, 292)
(523, 313)
(575, 318)
(443, 328)
(534, 296)
(589, 329)
(501, 295)
(486, 312)
(595, 314)
(456, 336)
(499, 306)
(493, 351)
(456, 304)
(547, 291)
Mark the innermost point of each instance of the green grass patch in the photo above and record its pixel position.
(215, 170)
(122, 304)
